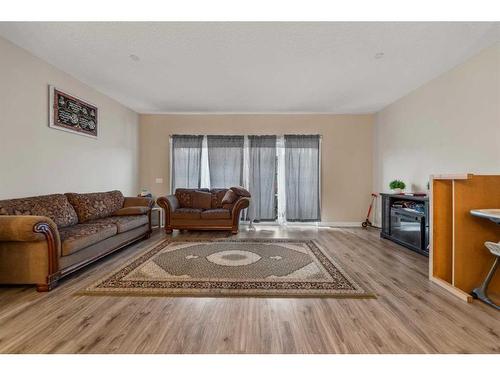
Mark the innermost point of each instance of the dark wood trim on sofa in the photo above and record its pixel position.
(164, 203)
(53, 274)
(240, 204)
(75, 267)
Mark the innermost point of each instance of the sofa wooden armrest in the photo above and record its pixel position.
(239, 205)
(169, 204)
(41, 246)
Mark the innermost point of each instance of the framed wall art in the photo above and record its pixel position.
(72, 114)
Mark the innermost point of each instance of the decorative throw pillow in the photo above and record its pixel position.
(229, 198)
(54, 206)
(184, 196)
(217, 195)
(241, 191)
(202, 200)
(95, 205)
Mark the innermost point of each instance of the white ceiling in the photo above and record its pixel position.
(253, 67)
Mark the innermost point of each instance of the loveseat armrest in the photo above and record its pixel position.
(138, 201)
(239, 205)
(169, 204)
(14, 228)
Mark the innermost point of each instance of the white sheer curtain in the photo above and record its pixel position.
(186, 161)
(281, 172)
(302, 177)
(205, 171)
(225, 160)
(262, 178)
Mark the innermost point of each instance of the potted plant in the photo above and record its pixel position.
(397, 186)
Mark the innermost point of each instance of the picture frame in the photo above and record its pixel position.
(72, 114)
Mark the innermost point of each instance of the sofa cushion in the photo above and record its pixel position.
(229, 198)
(54, 206)
(127, 211)
(123, 223)
(95, 205)
(187, 213)
(185, 198)
(202, 199)
(241, 191)
(80, 236)
(216, 213)
(126, 223)
(217, 196)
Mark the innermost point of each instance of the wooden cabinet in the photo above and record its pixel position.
(459, 260)
(405, 225)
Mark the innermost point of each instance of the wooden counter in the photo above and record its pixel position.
(459, 260)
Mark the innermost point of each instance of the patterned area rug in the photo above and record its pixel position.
(242, 267)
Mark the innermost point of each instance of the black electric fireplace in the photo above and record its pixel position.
(405, 221)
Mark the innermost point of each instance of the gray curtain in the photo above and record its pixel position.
(186, 161)
(262, 177)
(302, 177)
(225, 160)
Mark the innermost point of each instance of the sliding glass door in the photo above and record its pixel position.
(225, 160)
(262, 177)
(186, 161)
(302, 171)
(282, 173)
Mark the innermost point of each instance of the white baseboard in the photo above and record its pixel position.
(338, 224)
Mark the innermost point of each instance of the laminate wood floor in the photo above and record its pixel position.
(410, 315)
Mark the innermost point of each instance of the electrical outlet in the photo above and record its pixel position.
(159, 180)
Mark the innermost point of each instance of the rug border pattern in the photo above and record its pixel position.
(113, 285)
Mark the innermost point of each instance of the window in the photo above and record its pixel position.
(225, 160)
(262, 177)
(281, 172)
(302, 177)
(186, 161)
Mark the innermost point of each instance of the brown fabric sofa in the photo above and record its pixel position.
(203, 209)
(45, 238)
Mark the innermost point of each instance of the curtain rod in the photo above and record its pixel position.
(239, 135)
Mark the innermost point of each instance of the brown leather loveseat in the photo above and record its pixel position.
(46, 237)
(203, 209)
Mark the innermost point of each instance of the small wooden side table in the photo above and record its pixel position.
(157, 211)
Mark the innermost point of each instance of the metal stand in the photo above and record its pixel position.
(481, 292)
(251, 227)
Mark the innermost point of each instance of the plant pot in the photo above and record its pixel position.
(397, 191)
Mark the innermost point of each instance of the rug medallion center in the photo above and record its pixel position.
(233, 258)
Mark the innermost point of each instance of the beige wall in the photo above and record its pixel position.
(346, 151)
(35, 159)
(449, 125)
